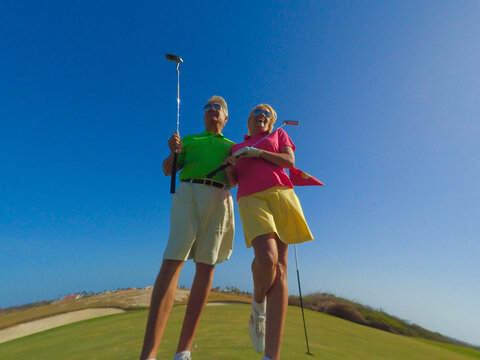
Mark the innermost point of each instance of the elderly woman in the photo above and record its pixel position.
(272, 218)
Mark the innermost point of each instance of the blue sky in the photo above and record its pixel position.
(387, 98)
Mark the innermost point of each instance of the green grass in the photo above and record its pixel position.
(376, 318)
(223, 334)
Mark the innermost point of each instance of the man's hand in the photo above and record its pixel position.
(175, 143)
(248, 152)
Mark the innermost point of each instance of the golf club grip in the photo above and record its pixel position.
(217, 170)
(174, 174)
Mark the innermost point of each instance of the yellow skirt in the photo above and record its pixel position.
(275, 210)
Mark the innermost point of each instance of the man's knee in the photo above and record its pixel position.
(171, 266)
(203, 268)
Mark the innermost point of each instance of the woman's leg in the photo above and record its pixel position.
(269, 269)
(264, 265)
(277, 303)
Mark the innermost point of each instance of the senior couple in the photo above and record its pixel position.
(202, 225)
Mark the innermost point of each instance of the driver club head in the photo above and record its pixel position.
(174, 58)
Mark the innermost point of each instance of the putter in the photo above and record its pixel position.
(301, 301)
(177, 60)
(224, 166)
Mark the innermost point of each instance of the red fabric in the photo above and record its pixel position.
(300, 178)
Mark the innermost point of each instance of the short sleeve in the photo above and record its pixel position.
(284, 139)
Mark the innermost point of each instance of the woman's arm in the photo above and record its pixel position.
(285, 158)
(231, 171)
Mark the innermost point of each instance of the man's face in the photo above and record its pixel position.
(214, 115)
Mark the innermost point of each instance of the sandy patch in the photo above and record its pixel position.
(134, 297)
(51, 322)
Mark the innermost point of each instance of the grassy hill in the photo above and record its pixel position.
(365, 315)
(324, 303)
(223, 334)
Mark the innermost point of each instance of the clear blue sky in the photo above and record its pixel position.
(387, 98)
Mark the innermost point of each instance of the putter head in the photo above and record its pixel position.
(174, 58)
(290, 122)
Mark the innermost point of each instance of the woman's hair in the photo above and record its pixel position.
(221, 101)
(271, 120)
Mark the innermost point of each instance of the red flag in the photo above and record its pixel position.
(300, 178)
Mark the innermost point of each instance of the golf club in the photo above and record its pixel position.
(177, 60)
(301, 301)
(224, 166)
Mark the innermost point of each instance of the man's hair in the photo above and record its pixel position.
(271, 121)
(221, 101)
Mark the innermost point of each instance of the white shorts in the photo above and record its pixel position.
(201, 224)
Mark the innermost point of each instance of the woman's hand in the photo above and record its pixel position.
(248, 152)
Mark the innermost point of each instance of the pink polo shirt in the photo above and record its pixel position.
(256, 174)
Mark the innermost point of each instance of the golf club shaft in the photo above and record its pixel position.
(178, 100)
(301, 300)
(217, 170)
(266, 136)
(173, 176)
(175, 155)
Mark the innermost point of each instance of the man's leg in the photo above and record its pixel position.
(202, 284)
(163, 296)
(277, 302)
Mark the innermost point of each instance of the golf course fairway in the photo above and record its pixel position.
(223, 334)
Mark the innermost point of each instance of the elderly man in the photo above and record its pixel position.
(201, 227)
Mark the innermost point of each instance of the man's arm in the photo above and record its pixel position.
(174, 143)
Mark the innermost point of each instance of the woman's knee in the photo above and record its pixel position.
(266, 261)
(281, 272)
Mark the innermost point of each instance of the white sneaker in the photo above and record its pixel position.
(184, 355)
(257, 330)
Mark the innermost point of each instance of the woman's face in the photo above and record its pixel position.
(259, 119)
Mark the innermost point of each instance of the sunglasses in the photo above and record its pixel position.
(260, 111)
(209, 106)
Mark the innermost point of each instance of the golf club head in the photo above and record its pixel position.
(174, 58)
(290, 122)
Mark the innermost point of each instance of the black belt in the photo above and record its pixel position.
(208, 182)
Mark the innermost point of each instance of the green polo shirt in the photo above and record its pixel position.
(203, 153)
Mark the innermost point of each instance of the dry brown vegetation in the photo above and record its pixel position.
(124, 299)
